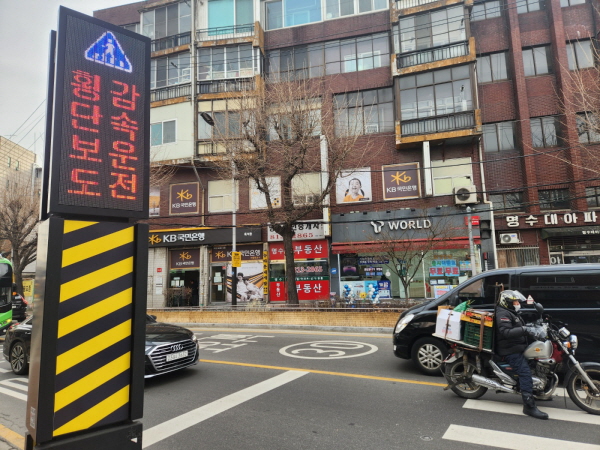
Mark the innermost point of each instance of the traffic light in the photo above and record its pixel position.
(485, 229)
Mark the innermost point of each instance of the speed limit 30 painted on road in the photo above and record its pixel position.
(328, 350)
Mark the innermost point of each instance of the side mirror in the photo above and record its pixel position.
(539, 308)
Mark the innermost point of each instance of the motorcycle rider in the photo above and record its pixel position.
(511, 342)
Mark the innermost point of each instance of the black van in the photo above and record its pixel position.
(569, 293)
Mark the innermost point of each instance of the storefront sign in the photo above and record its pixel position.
(202, 236)
(391, 225)
(265, 273)
(302, 250)
(185, 259)
(303, 231)
(569, 218)
(249, 253)
(401, 181)
(307, 290)
(371, 260)
(184, 198)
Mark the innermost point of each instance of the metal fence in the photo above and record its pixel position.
(518, 256)
(431, 55)
(427, 125)
(171, 41)
(403, 4)
(165, 93)
(210, 34)
(215, 87)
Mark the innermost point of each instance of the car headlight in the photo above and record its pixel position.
(403, 322)
(194, 338)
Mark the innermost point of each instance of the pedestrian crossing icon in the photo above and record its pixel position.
(109, 52)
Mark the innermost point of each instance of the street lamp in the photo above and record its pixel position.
(471, 245)
(210, 121)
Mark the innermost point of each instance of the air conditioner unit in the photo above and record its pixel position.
(509, 238)
(372, 128)
(465, 195)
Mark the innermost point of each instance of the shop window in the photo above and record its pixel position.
(226, 16)
(499, 136)
(565, 3)
(306, 188)
(166, 21)
(364, 112)
(485, 10)
(588, 127)
(580, 54)
(543, 131)
(170, 70)
(592, 194)
(525, 6)
(450, 174)
(220, 195)
(163, 133)
(436, 93)
(554, 199)
(217, 63)
(492, 67)
(508, 201)
(537, 60)
(432, 29)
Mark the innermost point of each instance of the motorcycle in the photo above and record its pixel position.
(470, 372)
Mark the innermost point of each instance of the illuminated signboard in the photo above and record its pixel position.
(100, 139)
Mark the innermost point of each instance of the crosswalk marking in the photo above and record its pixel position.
(13, 394)
(194, 417)
(516, 408)
(17, 383)
(513, 441)
(4, 370)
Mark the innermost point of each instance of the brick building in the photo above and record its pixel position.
(466, 108)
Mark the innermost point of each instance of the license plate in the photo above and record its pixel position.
(177, 355)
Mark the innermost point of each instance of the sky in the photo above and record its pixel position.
(25, 27)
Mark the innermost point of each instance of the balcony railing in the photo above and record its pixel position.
(403, 4)
(216, 87)
(437, 124)
(171, 41)
(211, 34)
(433, 54)
(165, 93)
(210, 148)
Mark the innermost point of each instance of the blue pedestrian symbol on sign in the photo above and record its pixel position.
(108, 51)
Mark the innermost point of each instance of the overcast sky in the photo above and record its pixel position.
(24, 36)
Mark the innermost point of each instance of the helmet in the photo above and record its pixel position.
(507, 298)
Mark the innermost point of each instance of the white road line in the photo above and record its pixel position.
(554, 413)
(13, 394)
(20, 385)
(4, 370)
(194, 417)
(513, 441)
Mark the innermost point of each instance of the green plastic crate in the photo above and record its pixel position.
(472, 333)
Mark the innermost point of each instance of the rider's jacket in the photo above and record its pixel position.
(510, 334)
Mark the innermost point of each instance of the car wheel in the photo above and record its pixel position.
(428, 354)
(18, 359)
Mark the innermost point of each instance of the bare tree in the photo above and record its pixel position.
(407, 248)
(19, 214)
(282, 139)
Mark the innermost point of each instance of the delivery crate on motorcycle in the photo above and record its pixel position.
(471, 328)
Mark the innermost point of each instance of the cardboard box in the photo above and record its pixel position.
(448, 324)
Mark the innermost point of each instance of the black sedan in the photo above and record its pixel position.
(168, 347)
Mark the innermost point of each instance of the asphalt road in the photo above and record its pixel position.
(274, 390)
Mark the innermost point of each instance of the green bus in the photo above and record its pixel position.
(6, 275)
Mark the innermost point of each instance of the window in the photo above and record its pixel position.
(554, 199)
(565, 3)
(306, 187)
(543, 131)
(588, 127)
(498, 136)
(332, 57)
(226, 16)
(364, 112)
(220, 195)
(580, 54)
(537, 60)
(9, 161)
(441, 92)
(592, 195)
(162, 133)
(166, 21)
(287, 13)
(135, 27)
(170, 70)
(17, 165)
(508, 201)
(485, 10)
(450, 174)
(484, 292)
(216, 63)
(225, 114)
(492, 67)
(432, 29)
(339, 8)
(303, 116)
(525, 6)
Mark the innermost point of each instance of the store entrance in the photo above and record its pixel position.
(183, 288)
(218, 286)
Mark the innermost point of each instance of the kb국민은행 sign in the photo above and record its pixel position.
(100, 147)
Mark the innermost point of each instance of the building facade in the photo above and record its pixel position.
(467, 103)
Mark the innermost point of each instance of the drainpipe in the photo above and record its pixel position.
(488, 202)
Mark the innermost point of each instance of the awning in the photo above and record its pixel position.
(570, 231)
(383, 247)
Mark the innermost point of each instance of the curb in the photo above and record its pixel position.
(361, 330)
